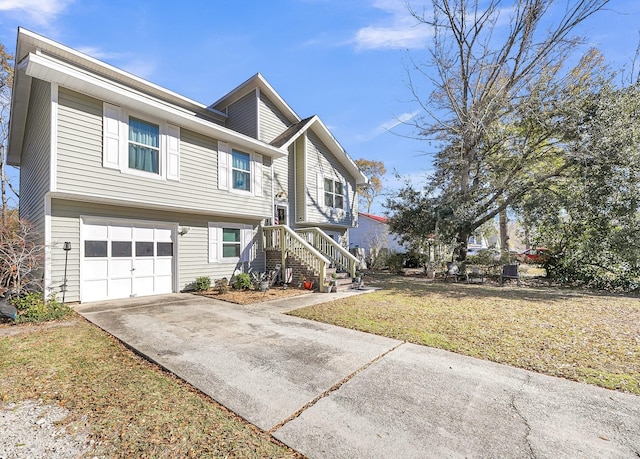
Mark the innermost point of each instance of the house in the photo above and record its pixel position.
(372, 234)
(149, 190)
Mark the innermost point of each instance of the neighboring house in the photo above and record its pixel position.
(152, 189)
(372, 234)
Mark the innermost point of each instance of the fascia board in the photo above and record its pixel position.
(135, 203)
(257, 81)
(300, 131)
(19, 106)
(325, 135)
(51, 70)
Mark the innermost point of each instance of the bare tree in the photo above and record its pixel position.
(495, 71)
(6, 84)
(20, 255)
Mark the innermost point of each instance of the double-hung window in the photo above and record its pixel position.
(230, 242)
(241, 170)
(139, 146)
(333, 194)
(144, 146)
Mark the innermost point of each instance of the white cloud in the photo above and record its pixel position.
(386, 126)
(400, 30)
(40, 12)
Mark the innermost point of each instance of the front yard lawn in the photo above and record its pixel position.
(133, 408)
(579, 335)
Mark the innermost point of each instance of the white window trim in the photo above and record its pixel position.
(344, 194)
(225, 170)
(116, 135)
(215, 242)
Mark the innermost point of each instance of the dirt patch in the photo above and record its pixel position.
(253, 296)
(11, 329)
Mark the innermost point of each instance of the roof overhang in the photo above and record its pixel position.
(318, 127)
(40, 57)
(257, 81)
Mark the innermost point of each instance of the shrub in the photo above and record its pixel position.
(203, 283)
(33, 308)
(396, 263)
(242, 282)
(222, 285)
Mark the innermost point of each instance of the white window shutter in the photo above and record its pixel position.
(224, 165)
(247, 243)
(111, 116)
(257, 175)
(214, 242)
(173, 152)
(320, 185)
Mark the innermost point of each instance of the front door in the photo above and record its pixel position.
(281, 214)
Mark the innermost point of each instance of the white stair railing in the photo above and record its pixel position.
(283, 239)
(324, 244)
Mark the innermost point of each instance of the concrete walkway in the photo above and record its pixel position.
(331, 392)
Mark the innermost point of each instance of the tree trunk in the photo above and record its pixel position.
(504, 236)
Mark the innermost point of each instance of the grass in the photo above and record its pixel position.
(133, 407)
(578, 335)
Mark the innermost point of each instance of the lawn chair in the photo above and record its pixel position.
(510, 272)
(453, 270)
(475, 274)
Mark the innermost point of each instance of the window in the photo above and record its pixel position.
(139, 146)
(144, 146)
(93, 249)
(120, 249)
(333, 194)
(144, 249)
(231, 242)
(241, 171)
(164, 249)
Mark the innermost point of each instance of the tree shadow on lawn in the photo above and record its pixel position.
(415, 286)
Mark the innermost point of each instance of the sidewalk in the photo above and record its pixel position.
(331, 392)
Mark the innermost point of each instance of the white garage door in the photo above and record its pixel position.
(122, 260)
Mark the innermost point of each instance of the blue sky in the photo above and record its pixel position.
(340, 59)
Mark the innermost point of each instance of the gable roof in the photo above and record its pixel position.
(374, 217)
(298, 125)
(257, 81)
(292, 133)
(45, 59)
(315, 124)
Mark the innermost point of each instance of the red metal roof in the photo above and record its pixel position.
(375, 217)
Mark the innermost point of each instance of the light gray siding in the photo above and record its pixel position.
(242, 115)
(80, 167)
(35, 161)
(192, 248)
(300, 182)
(272, 121)
(320, 159)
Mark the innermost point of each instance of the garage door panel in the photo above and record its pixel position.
(143, 234)
(163, 267)
(96, 269)
(121, 233)
(95, 290)
(119, 288)
(120, 268)
(95, 232)
(163, 235)
(144, 286)
(144, 267)
(163, 284)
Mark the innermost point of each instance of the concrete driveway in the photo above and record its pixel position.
(330, 392)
